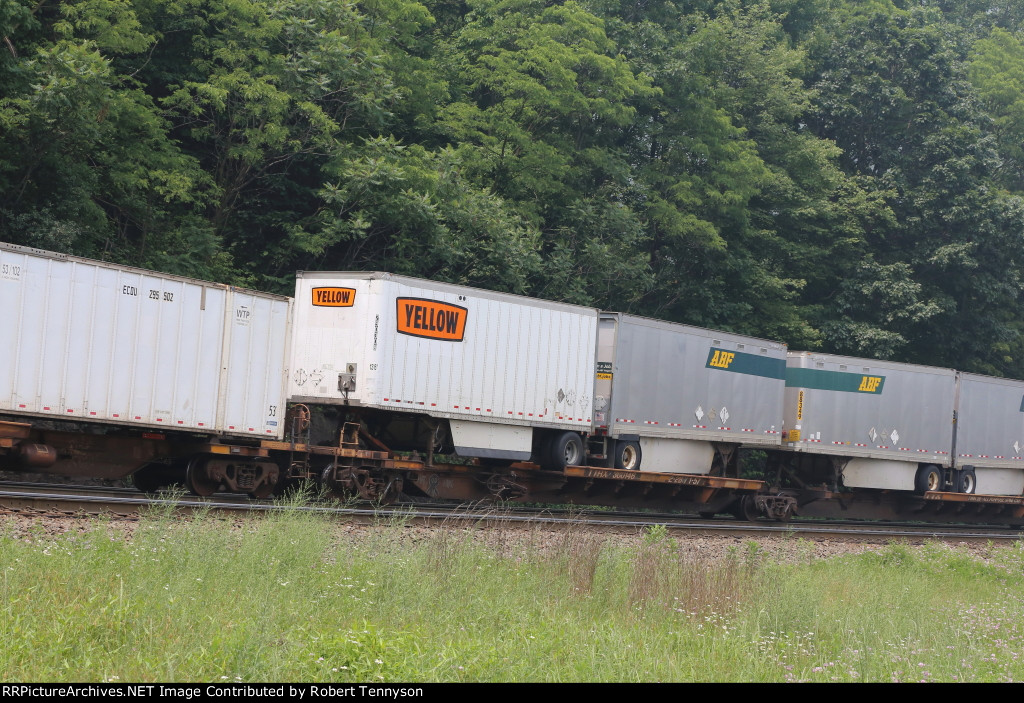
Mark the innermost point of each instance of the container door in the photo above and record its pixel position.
(607, 332)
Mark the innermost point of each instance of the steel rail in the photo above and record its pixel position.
(69, 502)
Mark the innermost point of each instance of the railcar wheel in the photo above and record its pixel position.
(145, 484)
(745, 508)
(197, 481)
(268, 474)
(285, 483)
(382, 490)
(262, 492)
(627, 456)
(330, 487)
(966, 481)
(566, 450)
(929, 478)
(392, 490)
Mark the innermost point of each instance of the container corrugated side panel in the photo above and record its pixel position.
(25, 299)
(254, 388)
(520, 360)
(162, 341)
(11, 299)
(114, 344)
(525, 363)
(869, 408)
(990, 422)
(49, 374)
(668, 382)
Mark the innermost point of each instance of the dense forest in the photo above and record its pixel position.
(842, 175)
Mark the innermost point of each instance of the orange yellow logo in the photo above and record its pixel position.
(432, 319)
(334, 297)
(869, 384)
(721, 359)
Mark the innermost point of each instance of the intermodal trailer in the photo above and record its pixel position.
(885, 424)
(990, 435)
(494, 367)
(96, 342)
(684, 395)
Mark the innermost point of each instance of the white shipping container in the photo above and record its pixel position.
(87, 340)
(490, 362)
(990, 432)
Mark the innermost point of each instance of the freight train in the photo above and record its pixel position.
(387, 387)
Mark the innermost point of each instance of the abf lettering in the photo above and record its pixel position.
(869, 384)
(722, 359)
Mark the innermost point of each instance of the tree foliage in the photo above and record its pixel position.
(844, 176)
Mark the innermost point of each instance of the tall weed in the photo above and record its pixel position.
(297, 595)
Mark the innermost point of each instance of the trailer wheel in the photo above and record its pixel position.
(966, 481)
(929, 478)
(627, 456)
(566, 450)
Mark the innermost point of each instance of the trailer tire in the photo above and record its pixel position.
(966, 481)
(929, 478)
(566, 449)
(627, 455)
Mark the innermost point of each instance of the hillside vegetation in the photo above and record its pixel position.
(840, 175)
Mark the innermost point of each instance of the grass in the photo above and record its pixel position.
(293, 596)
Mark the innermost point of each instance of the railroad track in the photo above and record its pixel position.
(61, 500)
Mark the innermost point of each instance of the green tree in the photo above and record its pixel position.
(997, 73)
(539, 98)
(746, 208)
(893, 95)
(86, 164)
(409, 211)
